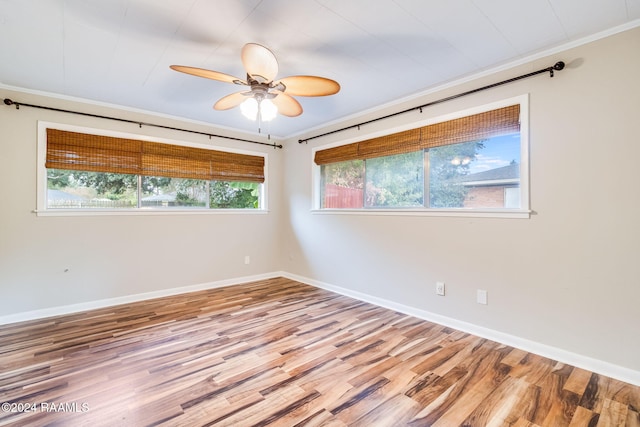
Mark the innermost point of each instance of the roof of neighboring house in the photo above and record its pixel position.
(503, 175)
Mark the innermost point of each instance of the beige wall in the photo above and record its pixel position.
(568, 277)
(115, 256)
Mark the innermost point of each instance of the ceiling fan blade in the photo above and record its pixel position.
(260, 62)
(208, 74)
(287, 105)
(310, 86)
(230, 101)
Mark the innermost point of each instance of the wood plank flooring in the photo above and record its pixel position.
(281, 353)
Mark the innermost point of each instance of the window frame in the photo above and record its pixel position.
(42, 185)
(523, 212)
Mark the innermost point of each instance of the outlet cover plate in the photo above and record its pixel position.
(482, 296)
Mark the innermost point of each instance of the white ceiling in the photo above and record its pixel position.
(119, 51)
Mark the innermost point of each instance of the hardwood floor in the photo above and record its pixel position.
(281, 353)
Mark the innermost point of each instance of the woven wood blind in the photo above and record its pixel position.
(96, 153)
(492, 123)
(471, 128)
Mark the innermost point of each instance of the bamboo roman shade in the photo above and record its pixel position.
(484, 125)
(97, 153)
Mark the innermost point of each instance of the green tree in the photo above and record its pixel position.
(111, 185)
(446, 165)
(395, 181)
(57, 179)
(190, 192)
(154, 184)
(348, 174)
(234, 195)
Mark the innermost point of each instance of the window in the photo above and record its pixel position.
(343, 184)
(473, 163)
(394, 181)
(71, 189)
(92, 172)
(476, 174)
(160, 191)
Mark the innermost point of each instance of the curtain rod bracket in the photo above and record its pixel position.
(557, 66)
(269, 139)
(8, 101)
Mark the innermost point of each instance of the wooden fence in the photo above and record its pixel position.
(336, 196)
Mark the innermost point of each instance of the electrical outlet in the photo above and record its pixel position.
(482, 296)
(247, 260)
(440, 288)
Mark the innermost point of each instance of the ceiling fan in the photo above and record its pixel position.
(265, 96)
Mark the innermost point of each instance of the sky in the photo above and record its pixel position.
(497, 152)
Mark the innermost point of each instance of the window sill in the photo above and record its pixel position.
(475, 213)
(120, 212)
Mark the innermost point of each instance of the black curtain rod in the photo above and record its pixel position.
(8, 101)
(556, 67)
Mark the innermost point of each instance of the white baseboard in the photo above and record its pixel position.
(127, 299)
(584, 362)
(601, 367)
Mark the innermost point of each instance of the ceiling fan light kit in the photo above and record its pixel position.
(266, 96)
(252, 109)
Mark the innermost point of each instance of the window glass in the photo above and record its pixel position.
(173, 192)
(491, 178)
(342, 184)
(448, 165)
(482, 174)
(234, 195)
(395, 181)
(85, 190)
(512, 197)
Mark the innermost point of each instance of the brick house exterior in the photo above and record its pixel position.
(494, 188)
